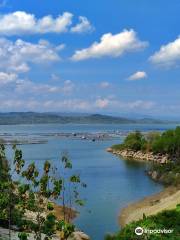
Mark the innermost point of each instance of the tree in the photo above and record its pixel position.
(134, 141)
(35, 191)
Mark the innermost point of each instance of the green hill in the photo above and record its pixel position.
(42, 118)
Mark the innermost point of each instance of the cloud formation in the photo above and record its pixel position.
(16, 56)
(20, 22)
(29, 87)
(6, 78)
(73, 104)
(111, 46)
(137, 76)
(168, 55)
(84, 25)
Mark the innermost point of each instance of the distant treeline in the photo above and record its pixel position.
(42, 118)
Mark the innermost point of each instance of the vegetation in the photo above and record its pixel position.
(168, 174)
(167, 142)
(34, 193)
(169, 219)
(36, 118)
(134, 141)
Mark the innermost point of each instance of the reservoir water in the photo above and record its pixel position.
(112, 183)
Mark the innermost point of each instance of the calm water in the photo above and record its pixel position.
(112, 182)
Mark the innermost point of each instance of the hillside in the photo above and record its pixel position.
(43, 118)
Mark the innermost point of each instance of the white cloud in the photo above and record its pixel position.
(16, 56)
(140, 104)
(27, 86)
(116, 104)
(102, 103)
(41, 52)
(104, 84)
(68, 86)
(111, 45)
(55, 77)
(84, 25)
(137, 76)
(24, 86)
(6, 78)
(20, 22)
(168, 54)
(11, 82)
(18, 103)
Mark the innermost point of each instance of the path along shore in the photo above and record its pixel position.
(165, 200)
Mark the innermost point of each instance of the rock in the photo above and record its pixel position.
(154, 175)
(139, 155)
(79, 236)
(164, 160)
(109, 150)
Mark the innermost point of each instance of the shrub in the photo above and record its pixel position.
(50, 206)
(23, 236)
(169, 219)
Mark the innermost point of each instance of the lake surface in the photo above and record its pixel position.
(112, 183)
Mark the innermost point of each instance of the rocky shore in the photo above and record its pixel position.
(139, 155)
(4, 234)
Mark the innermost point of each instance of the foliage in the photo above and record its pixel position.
(49, 225)
(167, 142)
(169, 219)
(134, 141)
(168, 174)
(50, 206)
(34, 191)
(23, 236)
(66, 228)
(4, 168)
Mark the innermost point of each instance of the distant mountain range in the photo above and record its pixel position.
(43, 118)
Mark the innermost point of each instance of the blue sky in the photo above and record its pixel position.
(113, 57)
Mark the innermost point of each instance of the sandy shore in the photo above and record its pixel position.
(58, 212)
(165, 200)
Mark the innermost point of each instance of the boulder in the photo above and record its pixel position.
(154, 175)
(79, 236)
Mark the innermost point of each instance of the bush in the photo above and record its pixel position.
(134, 141)
(50, 206)
(169, 219)
(49, 224)
(23, 236)
(167, 142)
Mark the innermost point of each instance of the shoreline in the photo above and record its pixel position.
(139, 155)
(151, 205)
(165, 200)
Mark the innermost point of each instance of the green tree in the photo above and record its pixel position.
(35, 190)
(134, 141)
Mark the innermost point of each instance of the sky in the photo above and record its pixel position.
(118, 57)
